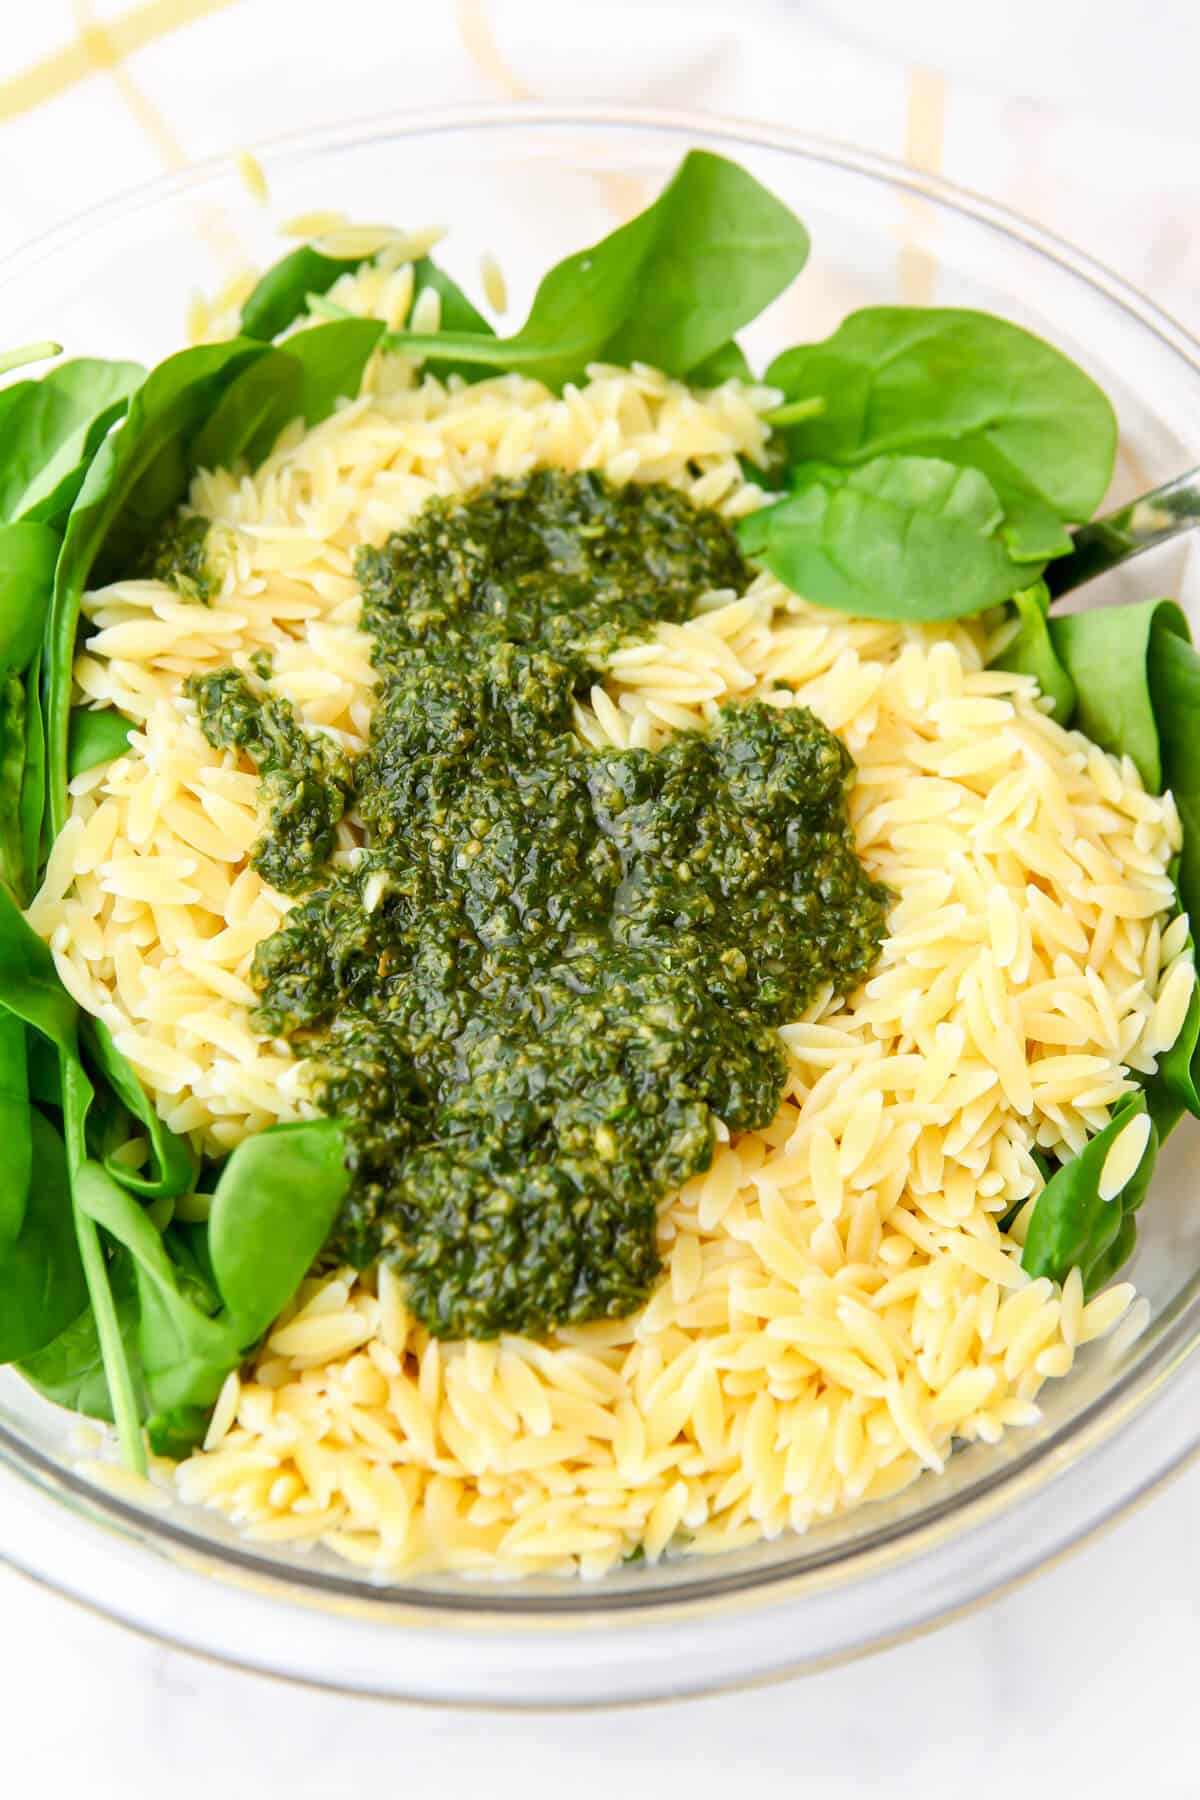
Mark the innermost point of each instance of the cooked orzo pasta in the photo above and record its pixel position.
(839, 1301)
(830, 1291)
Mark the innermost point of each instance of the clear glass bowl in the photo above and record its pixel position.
(531, 184)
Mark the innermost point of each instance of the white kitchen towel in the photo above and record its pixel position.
(1052, 108)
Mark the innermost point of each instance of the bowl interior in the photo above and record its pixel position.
(529, 189)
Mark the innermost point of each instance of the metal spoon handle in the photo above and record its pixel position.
(1150, 519)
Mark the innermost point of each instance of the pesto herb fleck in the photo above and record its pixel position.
(181, 555)
(553, 967)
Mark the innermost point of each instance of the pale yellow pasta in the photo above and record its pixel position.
(839, 1304)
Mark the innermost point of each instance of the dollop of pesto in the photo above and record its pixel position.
(553, 967)
(180, 555)
(307, 781)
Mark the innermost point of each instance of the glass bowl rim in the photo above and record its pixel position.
(940, 1521)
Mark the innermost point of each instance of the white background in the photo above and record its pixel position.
(1083, 114)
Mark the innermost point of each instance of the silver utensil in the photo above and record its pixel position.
(1151, 519)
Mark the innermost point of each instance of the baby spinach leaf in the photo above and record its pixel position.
(1111, 1261)
(726, 363)
(1175, 1082)
(669, 288)
(181, 1353)
(1106, 652)
(1174, 675)
(458, 314)
(969, 389)
(62, 426)
(1071, 1225)
(280, 296)
(28, 557)
(179, 1431)
(12, 772)
(1137, 682)
(187, 1246)
(70, 1369)
(29, 984)
(142, 470)
(32, 806)
(331, 359)
(95, 736)
(175, 1163)
(15, 1111)
(250, 413)
(29, 987)
(139, 474)
(1137, 679)
(319, 307)
(42, 1287)
(184, 1353)
(273, 1209)
(900, 537)
(13, 400)
(303, 379)
(45, 1076)
(28, 554)
(282, 293)
(120, 1369)
(1032, 652)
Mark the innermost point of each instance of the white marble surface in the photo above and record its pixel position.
(1083, 1682)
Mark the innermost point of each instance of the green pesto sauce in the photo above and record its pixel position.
(553, 967)
(307, 782)
(181, 556)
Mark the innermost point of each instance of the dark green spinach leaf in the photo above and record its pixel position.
(15, 1112)
(273, 1209)
(1071, 1225)
(284, 293)
(184, 1353)
(95, 736)
(726, 363)
(900, 537)
(280, 296)
(966, 388)
(303, 379)
(139, 475)
(1136, 679)
(12, 773)
(175, 1164)
(42, 1287)
(70, 1369)
(1137, 682)
(1106, 652)
(1174, 675)
(61, 425)
(670, 287)
(32, 804)
(1032, 652)
(28, 554)
(30, 988)
(29, 984)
